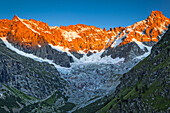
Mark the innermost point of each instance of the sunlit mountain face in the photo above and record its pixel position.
(81, 38)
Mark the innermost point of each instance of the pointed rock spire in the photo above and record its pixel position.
(156, 13)
(15, 18)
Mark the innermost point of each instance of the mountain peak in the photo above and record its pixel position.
(156, 13)
(15, 18)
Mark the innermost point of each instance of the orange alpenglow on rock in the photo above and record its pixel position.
(81, 38)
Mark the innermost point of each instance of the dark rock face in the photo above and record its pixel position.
(89, 53)
(46, 51)
(27, 85)
(31, 77)
(152, 43)
(128, 51)
(77, 55)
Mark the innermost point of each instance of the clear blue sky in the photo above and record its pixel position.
(100, 13)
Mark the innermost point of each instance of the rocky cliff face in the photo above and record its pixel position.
(26, 84)
(146, 85)
(27, 75)
(47, 52)
(128, 51)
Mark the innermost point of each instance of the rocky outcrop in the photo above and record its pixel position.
(128, 51)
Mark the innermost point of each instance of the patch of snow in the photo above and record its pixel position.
(128, 29)
(62, 49)
(1, 95)
(119, 40)
(54, 27)
(28, 26)
(144, 30)
(140, 44)
(108, 41)
(138, 23)
(154, 38)
(139, 32)
(33, 23)
(145, 54)
(96, 58)
(93, 51)
(114, 41)
(97, 30)
(110, 60)
(97, 39)
(81, 52)
(70, 35)
(47, 32)
(90, 34)
(4, 28)
(161, 29)
(84, 29)
(39, 45)
(164, 31)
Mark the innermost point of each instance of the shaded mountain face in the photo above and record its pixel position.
(146, 85)
(26, 84)
(26, 74)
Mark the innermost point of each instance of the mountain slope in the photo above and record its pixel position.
(146, 85)
(26, 85)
